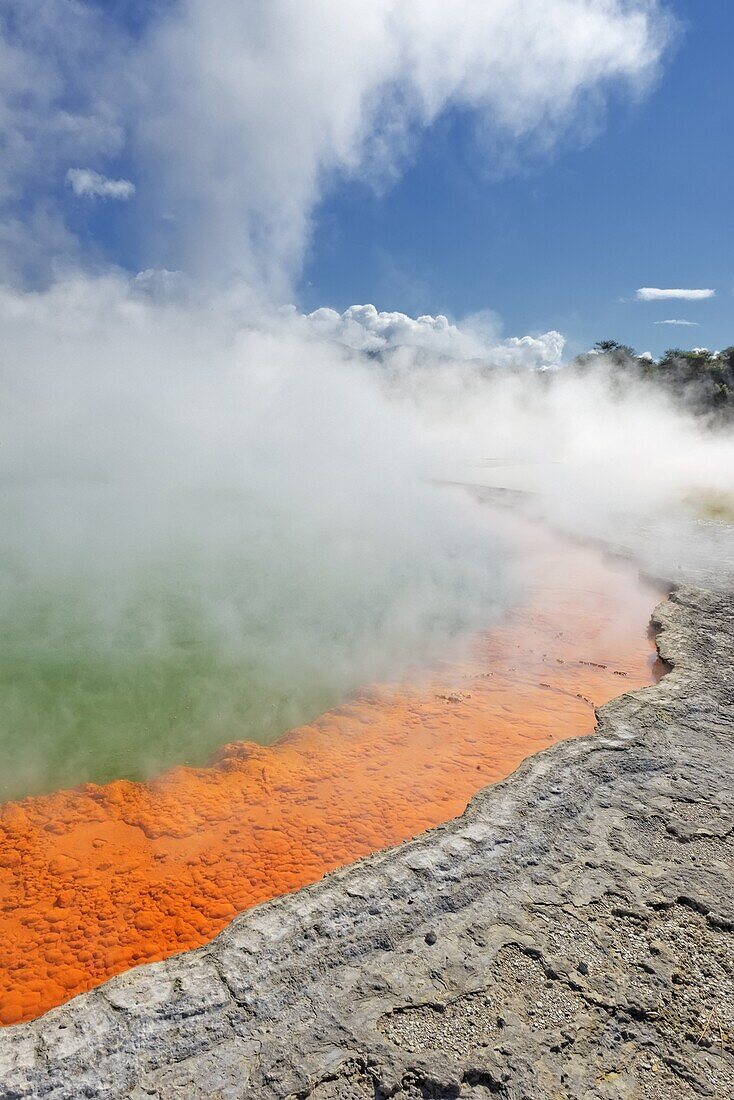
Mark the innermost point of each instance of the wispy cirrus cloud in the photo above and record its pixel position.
(88, 184)
(676, 321)
(656, 294)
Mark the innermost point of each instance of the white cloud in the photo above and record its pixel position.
(89, 184)
(543, 351)
(243, 119)
(655, 294)
(675, 321)
(365, 328)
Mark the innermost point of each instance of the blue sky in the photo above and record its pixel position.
(647, 202)
(233, 180)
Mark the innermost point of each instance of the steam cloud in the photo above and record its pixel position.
(219, 515)
(212, 527)
(239, 121)
(215, 522)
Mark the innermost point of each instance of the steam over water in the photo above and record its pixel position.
(122, 874)
(106, 673)
(214, 527)
(208, 531)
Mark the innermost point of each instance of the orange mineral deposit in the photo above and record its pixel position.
(101, 878)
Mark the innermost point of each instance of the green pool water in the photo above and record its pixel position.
(70, 719)
(140, 630)
(107, 676)
(81, 700)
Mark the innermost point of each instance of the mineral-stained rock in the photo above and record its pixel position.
(568, 936)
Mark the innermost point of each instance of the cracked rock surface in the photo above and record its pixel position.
(569, 936)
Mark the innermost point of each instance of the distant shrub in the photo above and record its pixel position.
(701, 379)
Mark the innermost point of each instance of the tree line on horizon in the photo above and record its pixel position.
(702, 379)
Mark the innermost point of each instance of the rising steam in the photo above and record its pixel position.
(214, 525)
(210, 530)
(218, 516)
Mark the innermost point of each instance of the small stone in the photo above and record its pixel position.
(583, 968)
(431, 938)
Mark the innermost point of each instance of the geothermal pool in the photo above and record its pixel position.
(100, 878)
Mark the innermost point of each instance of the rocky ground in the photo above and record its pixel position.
(569, 936)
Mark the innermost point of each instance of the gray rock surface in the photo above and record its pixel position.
(569, 936)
